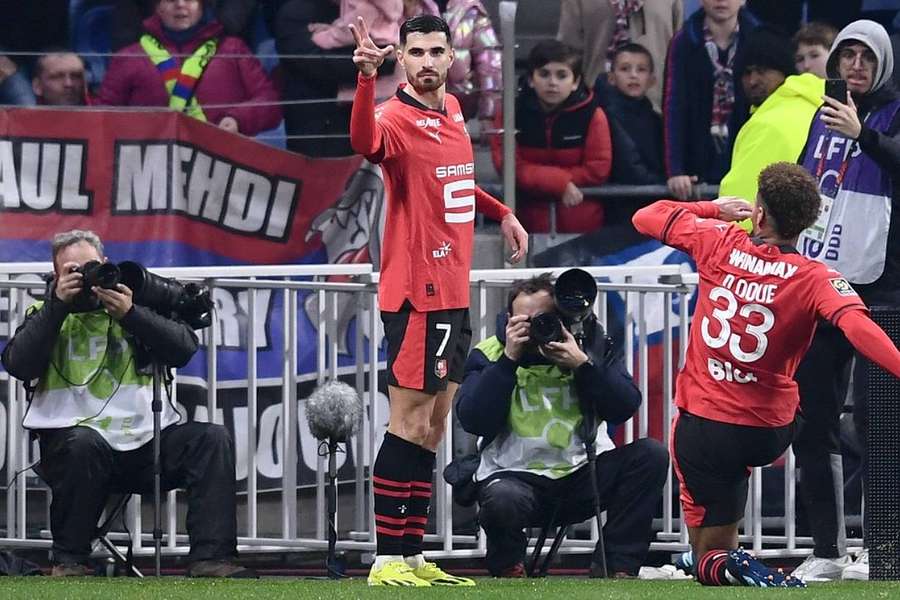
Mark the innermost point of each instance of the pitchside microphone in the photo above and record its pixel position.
(333, 411)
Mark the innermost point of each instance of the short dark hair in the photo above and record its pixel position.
(631, 48)
(815, 33)
(549, 51)
(533, 285)
(791, 195)
(424, 24)
(38, 68)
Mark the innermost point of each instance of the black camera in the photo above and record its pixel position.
(94, 274)
(97, 274)
(545, 328)
(575, 291)
(189, 302)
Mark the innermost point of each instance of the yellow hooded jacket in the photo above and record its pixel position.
(776, 131)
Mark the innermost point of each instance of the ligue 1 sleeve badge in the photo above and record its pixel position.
(440, 368)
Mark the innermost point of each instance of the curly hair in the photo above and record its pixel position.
(791, 196)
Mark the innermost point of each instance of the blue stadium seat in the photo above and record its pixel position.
(91, 35)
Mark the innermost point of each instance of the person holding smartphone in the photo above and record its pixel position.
(853, 150)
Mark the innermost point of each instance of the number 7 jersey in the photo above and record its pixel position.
(755, 317)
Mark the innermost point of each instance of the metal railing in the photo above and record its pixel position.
(651, 304)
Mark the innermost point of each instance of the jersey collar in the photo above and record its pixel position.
(784, 248)
(407, 99)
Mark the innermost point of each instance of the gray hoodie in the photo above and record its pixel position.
(874, 36)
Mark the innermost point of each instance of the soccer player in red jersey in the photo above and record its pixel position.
(758, 303)
(419, 138)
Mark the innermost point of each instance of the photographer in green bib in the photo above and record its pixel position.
(86, 355)
(534, 392)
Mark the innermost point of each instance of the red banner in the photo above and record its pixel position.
(158, 184)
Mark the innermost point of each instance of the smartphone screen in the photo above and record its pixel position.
(837, 89)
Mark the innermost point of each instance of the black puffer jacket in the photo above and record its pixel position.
(27, 355)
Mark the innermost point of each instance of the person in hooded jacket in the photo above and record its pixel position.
(183, 42)
(853, 150)
(562, 144)
(782, 108)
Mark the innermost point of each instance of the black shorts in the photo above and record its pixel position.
(712, 461)
(426, 349)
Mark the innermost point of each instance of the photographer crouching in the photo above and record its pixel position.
(91, 350)
(534, 394)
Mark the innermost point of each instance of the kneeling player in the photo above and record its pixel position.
(759, 301)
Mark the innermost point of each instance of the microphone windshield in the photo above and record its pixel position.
(333, 411)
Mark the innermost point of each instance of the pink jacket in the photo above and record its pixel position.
(383, 18)
(476, 77)
(133, 80)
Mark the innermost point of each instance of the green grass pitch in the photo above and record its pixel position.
(553, 588)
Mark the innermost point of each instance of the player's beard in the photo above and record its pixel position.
(423, 85)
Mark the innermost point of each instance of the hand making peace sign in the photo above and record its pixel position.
(367, 57)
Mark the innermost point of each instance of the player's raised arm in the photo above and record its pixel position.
(678, 224)
(365, 137)
(515, 235)
(869, 340)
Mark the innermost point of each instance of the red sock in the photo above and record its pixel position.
(711, 568)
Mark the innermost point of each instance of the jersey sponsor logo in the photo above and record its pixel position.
(440, 368)
(443, 251)
(454, 170)
(429, 122)
(842, 286)
(757, 266)
(458, 118)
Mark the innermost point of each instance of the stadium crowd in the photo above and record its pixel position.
(638, 92)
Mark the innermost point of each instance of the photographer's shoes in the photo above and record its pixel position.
(220, 568)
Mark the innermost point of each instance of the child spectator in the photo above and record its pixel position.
(562, 143)
(636, 128)
(476, 75)
(811, 47)
(703, 103)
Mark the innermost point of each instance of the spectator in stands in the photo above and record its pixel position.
(783, 106)
(240, 95)
(853, 149)
(636, 128)
(562, 143)
(125, 24)
(476, 77)
(29, 27)
(598, 27)
(811, 46)
(314, 29)
(59, 79)
(704, 104)
(14, 88)
(526, 401)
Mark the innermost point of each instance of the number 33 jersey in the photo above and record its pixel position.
(755, 317)
(429, 175)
